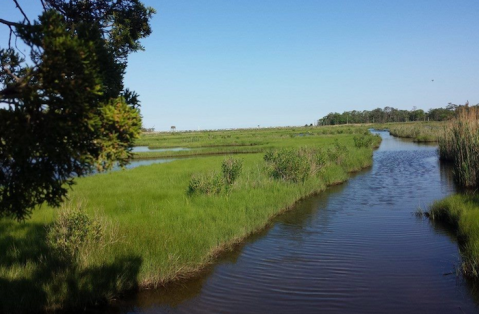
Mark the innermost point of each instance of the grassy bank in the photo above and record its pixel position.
(461, 214)
(420, 132)
(148, 230)
(459, 144)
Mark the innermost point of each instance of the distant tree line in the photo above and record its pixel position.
(390, 114)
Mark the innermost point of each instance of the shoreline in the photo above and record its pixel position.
(231, 245)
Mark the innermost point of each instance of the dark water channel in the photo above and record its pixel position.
(357, 248)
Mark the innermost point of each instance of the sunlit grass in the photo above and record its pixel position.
(417, 131)
(461, 213)
(238, 141)
(460, 144)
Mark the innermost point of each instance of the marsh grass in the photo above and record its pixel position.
(461, 214)
(418, 131)
(247, 141)
(460, 144)
(231, 169)
(153, 232)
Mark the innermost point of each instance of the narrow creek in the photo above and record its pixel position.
(356, 248)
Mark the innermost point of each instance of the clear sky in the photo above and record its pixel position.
(213, 64)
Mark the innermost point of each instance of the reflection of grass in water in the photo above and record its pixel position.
(163, 234)
(461, 214)
(420, 213)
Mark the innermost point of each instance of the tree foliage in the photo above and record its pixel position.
(63, 108)
(390, 114)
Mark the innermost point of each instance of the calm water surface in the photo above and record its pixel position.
(357, 248)
(143, 149)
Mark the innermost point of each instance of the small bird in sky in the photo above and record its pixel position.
(432, 80)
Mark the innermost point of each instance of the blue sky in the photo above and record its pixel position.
(213, 64)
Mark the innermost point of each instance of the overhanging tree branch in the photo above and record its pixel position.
(8, 23)
(21, 10)
(71, 107)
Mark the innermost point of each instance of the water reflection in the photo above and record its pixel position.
(145, 149)
(134, 164)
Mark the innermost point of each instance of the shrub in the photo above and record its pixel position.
(321, 159)
(363, 141)
(294, 165)
(337, 153)
(205, 184)
(72, 231)
(231, 168)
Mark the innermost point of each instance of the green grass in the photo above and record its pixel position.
(461, 214)
(237, 141)
(460, 145)
(417, 131)
(155, 232)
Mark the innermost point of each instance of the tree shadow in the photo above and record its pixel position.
(21, 243)
(33, 279)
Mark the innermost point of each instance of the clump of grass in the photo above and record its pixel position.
(288, 164)
(460, 144)
(214, 182)
(363, 141)
(337, 153)
(461, 214)
(294, 165)
(231, 168)
(209, 184)
(72, 232)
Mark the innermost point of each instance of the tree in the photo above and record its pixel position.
(63, 107)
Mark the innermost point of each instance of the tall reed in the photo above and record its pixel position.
(460, 144)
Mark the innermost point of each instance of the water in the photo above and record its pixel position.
(357, 248)
(136, 163)
(145, 162)
(143, 149)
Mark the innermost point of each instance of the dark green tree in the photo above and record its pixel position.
(63, 108)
